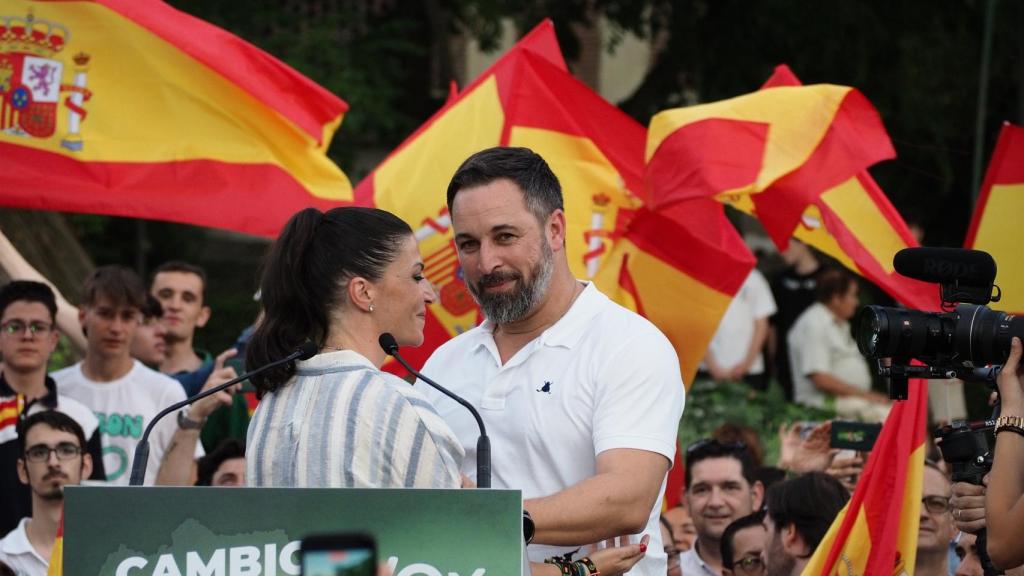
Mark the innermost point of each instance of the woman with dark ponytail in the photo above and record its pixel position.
(340, 279)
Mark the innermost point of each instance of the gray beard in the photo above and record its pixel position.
(508, 307)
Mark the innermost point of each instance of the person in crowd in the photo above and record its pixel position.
(826, 365)
(736, 351)
(812, 452)
(52, 455)
(180, 287)
(581, 397)
(66, 316)
(936, 529)
(719, 490)
(28, 337)
(1004, 501)
(793, 289)
(798, 514)
(671, 550)
(123, 393)
(149, 345)
(681, 524)
(340, 279)
(743, 546)
(225, 466)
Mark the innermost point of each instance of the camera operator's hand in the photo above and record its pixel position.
(1010, 393)
(968, 506)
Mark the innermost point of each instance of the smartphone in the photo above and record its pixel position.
(857, 436)
(339, 555)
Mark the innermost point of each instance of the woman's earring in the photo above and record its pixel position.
(371, 307)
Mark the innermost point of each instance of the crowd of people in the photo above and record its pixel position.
(582, 398)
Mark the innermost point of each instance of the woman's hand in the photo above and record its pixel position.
(615, 560)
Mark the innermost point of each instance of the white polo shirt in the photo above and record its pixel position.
(753, 302)
(821, 342)
(17, 552)
(602, 377)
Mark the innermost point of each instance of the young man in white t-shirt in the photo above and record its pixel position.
(736, 351)
(123, 393)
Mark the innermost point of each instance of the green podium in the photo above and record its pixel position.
(129, 531)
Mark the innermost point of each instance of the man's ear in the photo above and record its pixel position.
(22, 471)
(757, 490)
(86, 465)
(554, 230)
(792, 542)
(204, 316)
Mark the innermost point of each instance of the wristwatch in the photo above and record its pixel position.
(1017, 421)
(528, 527)
(186, 423)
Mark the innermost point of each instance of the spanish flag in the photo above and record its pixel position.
(855, 223)
(132, 108)
(56, 567)
(995, 227)
(643, 259)
(876, 533)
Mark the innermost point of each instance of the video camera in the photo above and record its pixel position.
(968, 340)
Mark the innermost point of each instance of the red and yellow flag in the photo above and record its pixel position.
(853, 222)
(56, 567)
(644, 260)
(995, 228)
(132, 108)
(876, 533)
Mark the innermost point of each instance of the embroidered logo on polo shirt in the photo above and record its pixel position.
(545, 388)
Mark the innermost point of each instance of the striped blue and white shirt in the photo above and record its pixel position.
(341, 422)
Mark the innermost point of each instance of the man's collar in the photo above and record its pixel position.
(49, 399)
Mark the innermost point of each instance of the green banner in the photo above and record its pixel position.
(128, 531)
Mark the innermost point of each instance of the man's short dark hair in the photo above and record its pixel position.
(729, 535)
(810, 502)
(153, 309)
(541, 190)
(182, 266)
(713, 448)
(229, 449)
(118, 284)
(833, 282)
(28, 291)
(54, 419)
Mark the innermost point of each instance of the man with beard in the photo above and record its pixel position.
(53, 456)
(581, 397)
(799, 513)
(719, 490)
(936, 529)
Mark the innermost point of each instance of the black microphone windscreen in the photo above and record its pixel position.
(944, 265)
(388, 343)
(306, 350)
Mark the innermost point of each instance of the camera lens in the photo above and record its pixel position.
(983, 335)
(899, 333)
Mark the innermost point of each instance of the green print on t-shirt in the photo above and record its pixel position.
(120, 424)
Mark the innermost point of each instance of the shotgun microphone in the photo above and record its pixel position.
(483, 443)
(141, 459)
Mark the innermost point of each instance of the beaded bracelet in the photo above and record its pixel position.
(1010, 428)
(589, 564)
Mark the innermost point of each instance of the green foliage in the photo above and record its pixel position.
(710, 404)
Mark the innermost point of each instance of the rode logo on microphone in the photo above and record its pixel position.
(948, 269)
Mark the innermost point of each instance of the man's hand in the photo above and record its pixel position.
(1011, 393)
(202, 409)
(847, 471)
(968, 506)
(814, 452)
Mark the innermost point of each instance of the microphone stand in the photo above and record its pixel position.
(483, 443)
(141, 457)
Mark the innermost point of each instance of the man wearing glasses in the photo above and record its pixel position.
(743, 545)
(719, 490)
(27, 339)
(936, 528)
(52, 456)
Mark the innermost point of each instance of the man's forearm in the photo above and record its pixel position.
(593, 510)
(831, 385)
(178, 465)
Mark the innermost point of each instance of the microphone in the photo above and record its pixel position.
(964, 275)
(483, 443)
(141, 459)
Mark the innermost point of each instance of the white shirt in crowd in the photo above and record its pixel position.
(821, 342)
(736, 329)
(600, 378)
(124, 408)
(17, 552)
